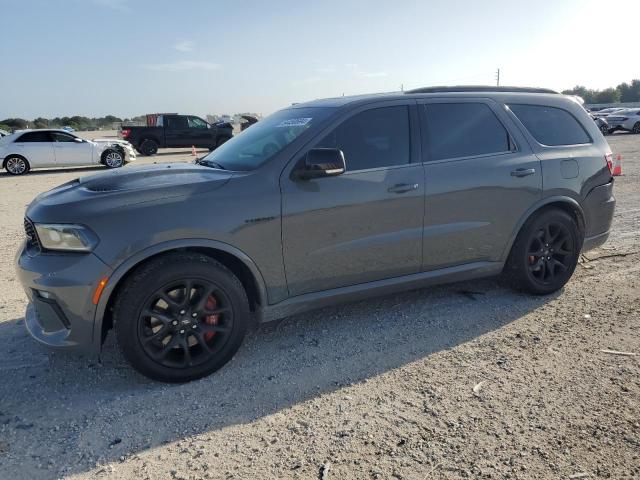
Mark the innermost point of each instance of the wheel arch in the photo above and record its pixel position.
(114, 148)
(234, 259)
(565, 203)
(7, 157)
(146, 137)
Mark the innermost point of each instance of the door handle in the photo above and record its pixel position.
(523, 172)
(403, 188)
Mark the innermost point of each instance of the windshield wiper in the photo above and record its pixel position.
(210, 163)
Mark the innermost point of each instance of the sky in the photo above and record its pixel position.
(126, 58)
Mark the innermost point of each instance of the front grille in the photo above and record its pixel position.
(33, 242)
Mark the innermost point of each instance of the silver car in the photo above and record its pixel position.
(626, 120)
(28, 149)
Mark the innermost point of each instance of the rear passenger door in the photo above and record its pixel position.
(481, 178)
(37, 148)
(176, 131)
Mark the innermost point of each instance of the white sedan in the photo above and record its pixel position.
(27, 149)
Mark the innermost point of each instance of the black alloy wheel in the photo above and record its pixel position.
(185, 323)
(545, 252)
(149, 147)
(180, 317)
(550, 253)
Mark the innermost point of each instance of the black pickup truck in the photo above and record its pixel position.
(176, 131)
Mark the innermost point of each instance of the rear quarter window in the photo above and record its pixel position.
(551, 126)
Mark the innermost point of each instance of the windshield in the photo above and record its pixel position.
(262, 140)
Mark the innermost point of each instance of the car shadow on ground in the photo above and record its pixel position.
(106, 410)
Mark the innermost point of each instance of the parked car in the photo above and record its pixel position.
(248, 121)
(3, 133)
(627, 120)
(174, 131)
(602, 124)
(69, 129)
(606, 111)
(27, 149)
(323, 202)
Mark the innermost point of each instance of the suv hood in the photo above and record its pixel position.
(121, 188)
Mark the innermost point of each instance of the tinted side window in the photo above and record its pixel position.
(374, 138)
(463, 130)
(63, 137)
(35, 137)
(551, 126)
(195, 122)
(177, 122)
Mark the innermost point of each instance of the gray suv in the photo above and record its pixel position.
(322, 202)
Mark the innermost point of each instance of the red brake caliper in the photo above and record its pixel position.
(211, 304)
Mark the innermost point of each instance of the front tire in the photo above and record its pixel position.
(545, 253)
(180, 317)
(16, 165)
(636, 128)
(113, 159)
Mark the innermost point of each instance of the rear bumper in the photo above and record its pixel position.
(599, 206)
(594, 242)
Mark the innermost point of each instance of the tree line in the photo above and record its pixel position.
(623, 93)
(76, 122)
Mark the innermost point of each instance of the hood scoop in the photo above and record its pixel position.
(151, 177)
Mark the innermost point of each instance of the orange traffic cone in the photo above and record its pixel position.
(193, 150)
(617, 166)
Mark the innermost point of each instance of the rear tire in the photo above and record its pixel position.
(171, 336)
(149, 147)
(636, 128)
(545, 253)
(16, 165)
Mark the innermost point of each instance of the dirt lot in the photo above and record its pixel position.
(376, 389)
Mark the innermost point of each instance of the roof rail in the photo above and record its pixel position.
(479, 88)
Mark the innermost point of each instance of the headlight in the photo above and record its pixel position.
(74, 238)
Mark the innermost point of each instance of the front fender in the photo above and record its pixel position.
(123, 268)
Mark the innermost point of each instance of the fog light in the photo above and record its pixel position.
(43, 294)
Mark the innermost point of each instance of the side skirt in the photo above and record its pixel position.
(311, 301)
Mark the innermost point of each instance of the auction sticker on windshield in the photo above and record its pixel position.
(294, 122)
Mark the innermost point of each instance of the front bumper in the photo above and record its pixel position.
(625, 127)
(60, 287)
(129, 154)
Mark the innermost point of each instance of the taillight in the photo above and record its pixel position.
(125, 132)
(609, 159)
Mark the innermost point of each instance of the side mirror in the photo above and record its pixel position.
(78, 140)
(322, 162)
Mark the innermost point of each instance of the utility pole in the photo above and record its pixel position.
(497, 77)
(402, 87)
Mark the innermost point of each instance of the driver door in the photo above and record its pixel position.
(365, 224)
(71, 151)
(199, 132)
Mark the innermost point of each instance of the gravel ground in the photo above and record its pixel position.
(468, 380)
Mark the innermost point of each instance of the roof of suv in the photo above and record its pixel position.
(452, 91)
